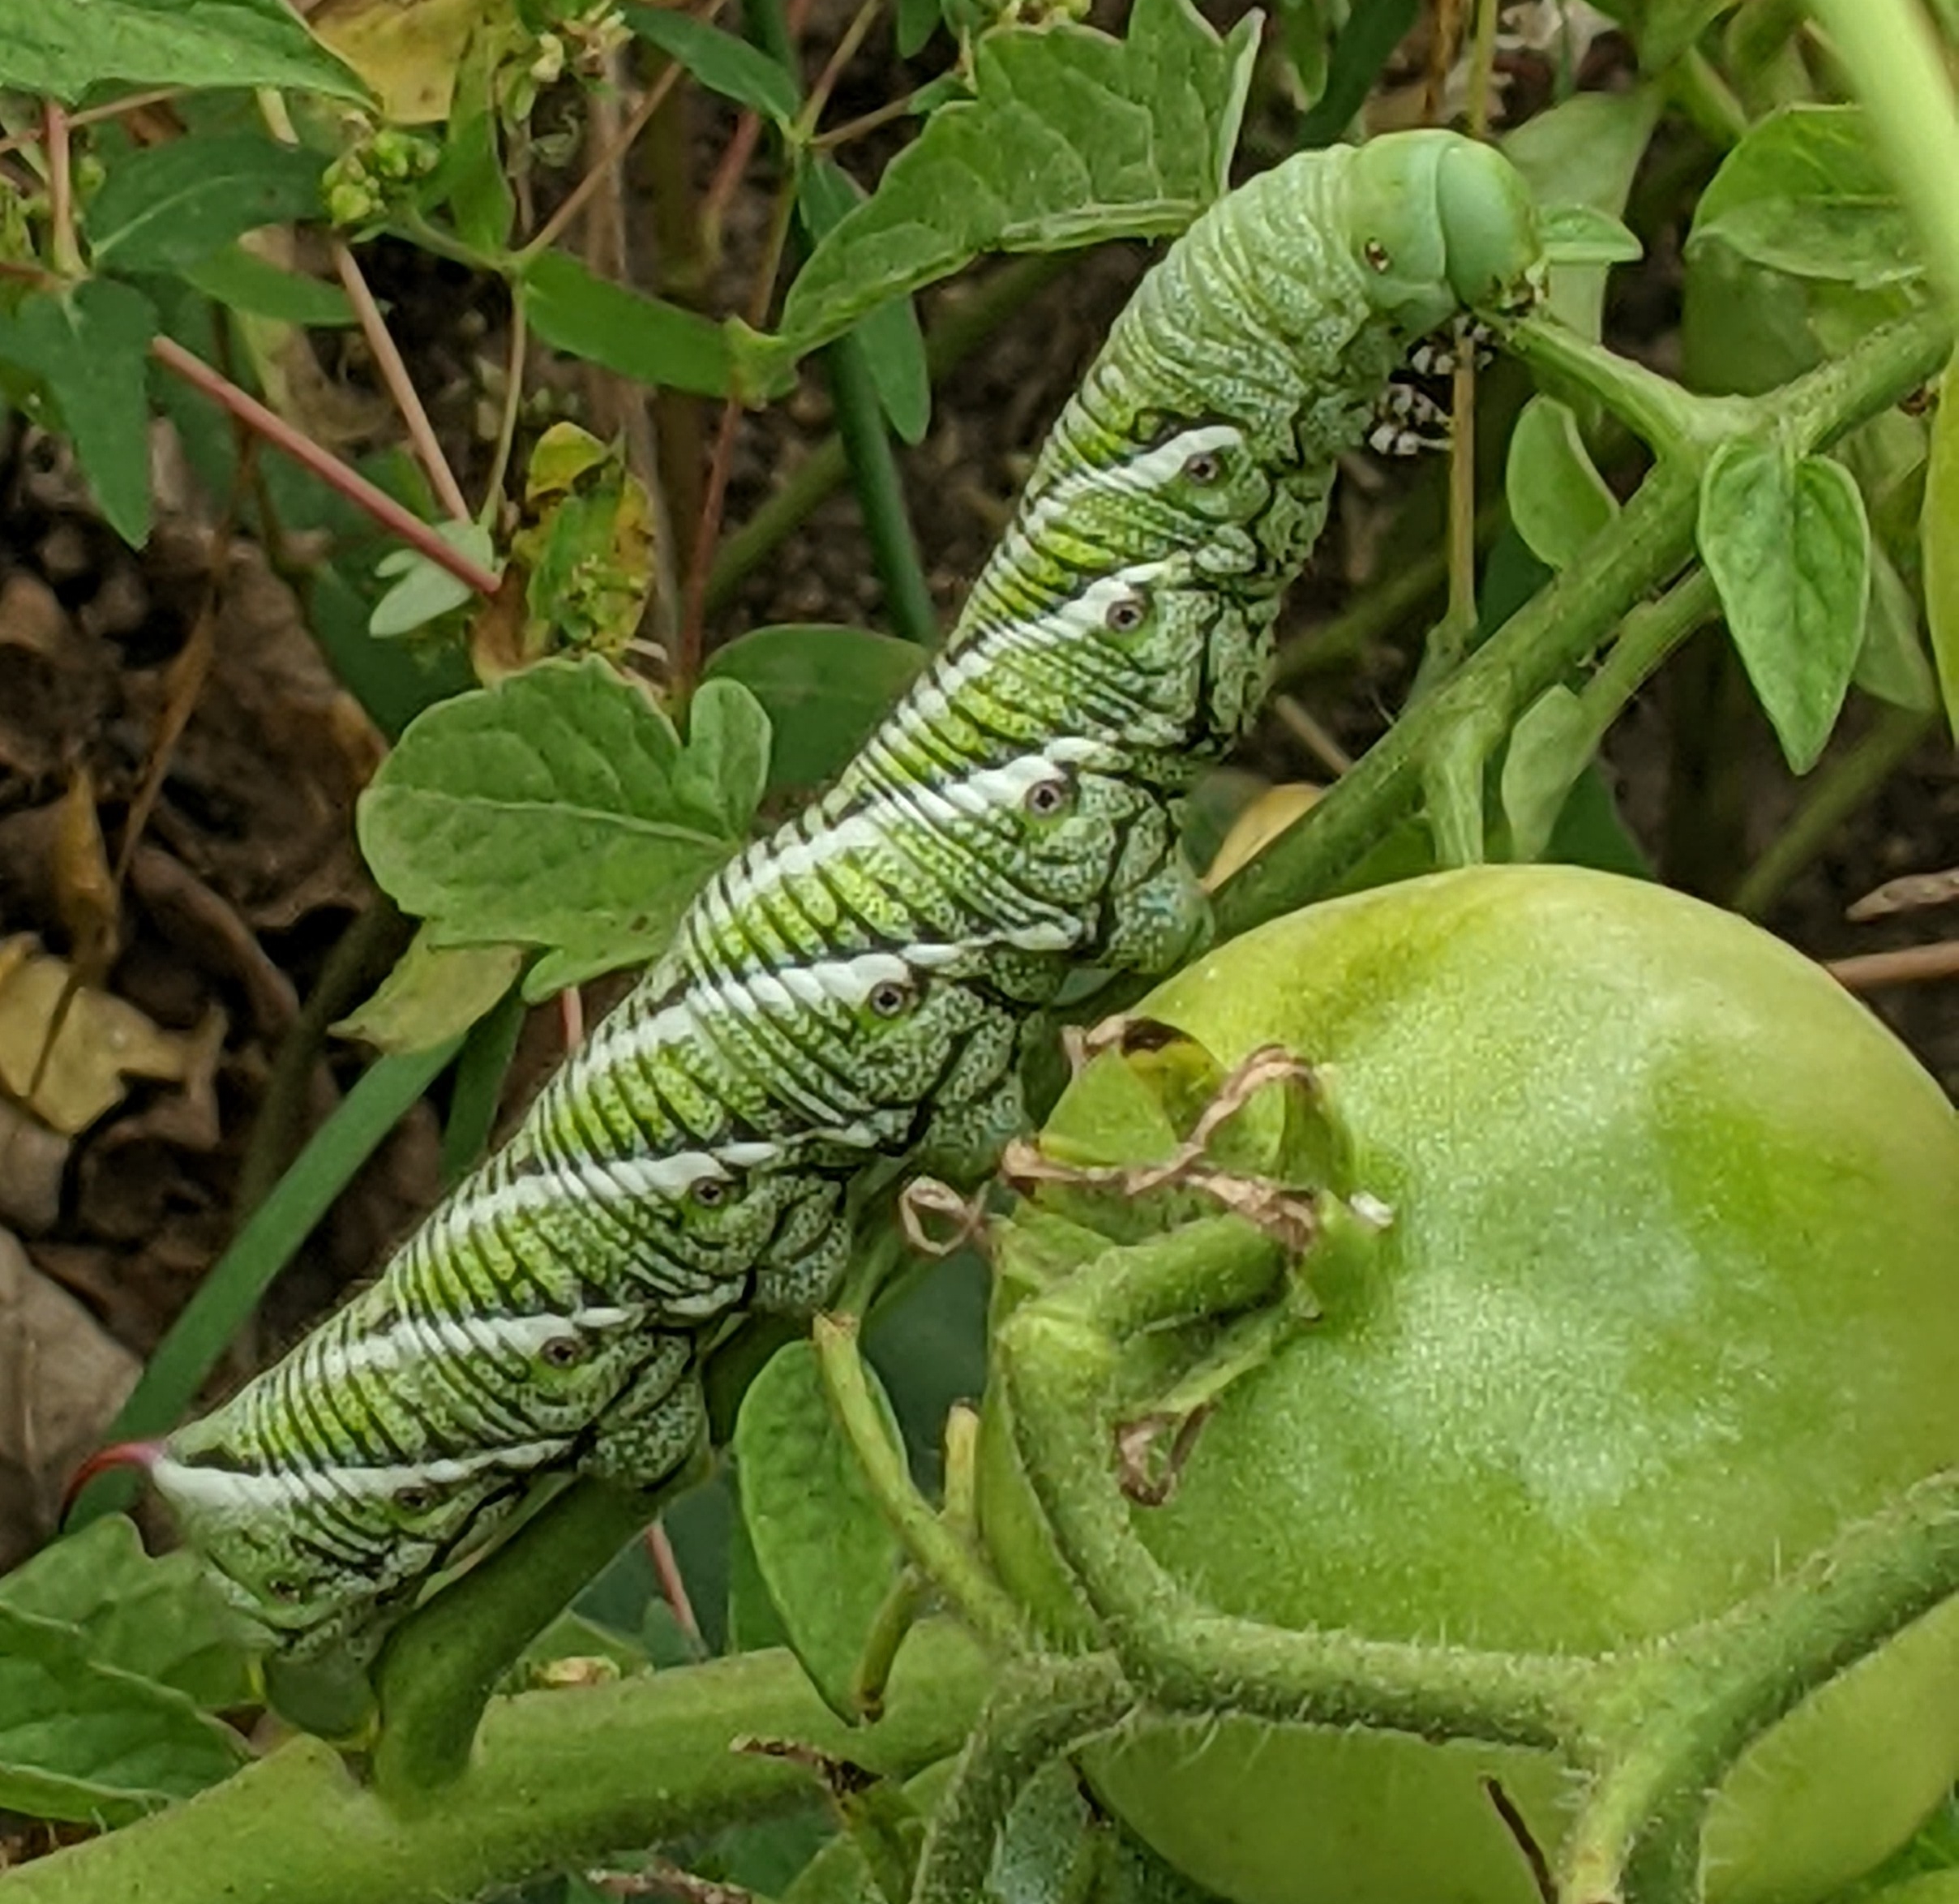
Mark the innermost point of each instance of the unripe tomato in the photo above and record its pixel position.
(1670, 1295)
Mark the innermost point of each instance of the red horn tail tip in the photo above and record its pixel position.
(119, 1454)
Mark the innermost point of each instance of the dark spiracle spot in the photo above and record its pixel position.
(1046, 797)
(414, 1497)
(1125, 614)
(563, 1352)
(890, 999)
(1376, 255)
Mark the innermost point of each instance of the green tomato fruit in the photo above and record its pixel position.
(1670, 1295)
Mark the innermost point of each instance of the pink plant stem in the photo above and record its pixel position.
(1910, 965)
(375, 503)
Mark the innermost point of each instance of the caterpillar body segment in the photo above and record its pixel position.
(852, 993)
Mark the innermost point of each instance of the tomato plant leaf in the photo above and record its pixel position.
(242, 280)
(1939, 541)
(720, 61)
(1579, 159)
(64, 48)
(164, 207)
(1072, 137)
(1550, 747)
(1805, 194)
(824, 690)
(1891, 664)
(158, 1618)
(645, 338)
(433, 993)
(89, 347)
(419, 589)
(558, 809)
(823, 1546)
(894, 345)
(1558, 500)
(1788, 547)
(83, 1739)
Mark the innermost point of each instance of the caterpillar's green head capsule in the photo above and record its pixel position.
(1443, 224)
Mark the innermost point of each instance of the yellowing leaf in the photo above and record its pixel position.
(1257, 826)
(408, 51)
(101, 1040)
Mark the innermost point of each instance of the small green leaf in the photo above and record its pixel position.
(1072, 137)
(1939, 541)
(720, 61)
(1579, 160)
(423, 589)
(63, 47)
(819, 1540)
(1805, 194)
(164, 207)
(894, 345)
(824, 690)
(469, 177)
(916, 21)
(159, 1618)
(641, 337)
(1549, 747)
(1893, 664)
(83, 1740)
(726, 765)
(556, 810)
(242, 280)
(89, 347)
(1789, 548)
(1670, 28)
(1576, 234)
(433, 993)
(1558, 500)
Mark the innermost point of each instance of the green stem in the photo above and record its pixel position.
(1676, 1720)
(1707, 99)
(1045, 1707)
(436, 1674)
(478, 1088)
(1898, 67)
(951, 1566)
(1847, 783)
(1060, 1355)
(561, 1779)
(1552, 632)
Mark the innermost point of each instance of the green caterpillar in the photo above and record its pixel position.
(856, 989)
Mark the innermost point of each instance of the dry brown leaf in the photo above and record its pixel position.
(101, 1041)
(62, 1379)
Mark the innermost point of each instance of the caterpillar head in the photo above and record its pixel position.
(1443, 224)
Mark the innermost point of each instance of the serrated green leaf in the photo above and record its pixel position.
(83, 1740)
(1789, 548)
(89, 347)
(433, 993)
(242, 280)
(1549, 747)
(894, 345)
(164, 207)
(554, 809)
(421, 590)
(822, 1545)
(720, 61)
(641, 337)
(1805, 194)
(1072, 137)
(824, 690)
(1579, 160)
(59, 47)
(1558, 500)
(1939, 542)
(158, 1618)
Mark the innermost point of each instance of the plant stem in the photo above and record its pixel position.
(561, 1779)
(376, 504)
(953, 1567)
(401, 386)
(436, 1673)
(1909, 965)
(1044, 1707)
(1849, 781)
(1650, 539)
(63, 246)
(1898, 67)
